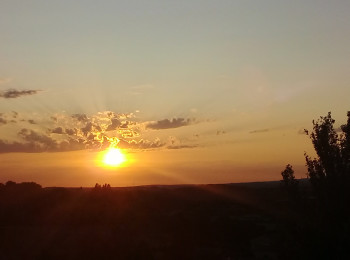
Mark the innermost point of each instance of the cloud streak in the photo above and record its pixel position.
(175, 147)
(167, 124)
(13, 93)
(4, 80)
(259, 131)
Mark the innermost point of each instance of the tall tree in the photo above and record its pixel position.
(329, 172)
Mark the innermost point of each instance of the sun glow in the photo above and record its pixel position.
(113, 157)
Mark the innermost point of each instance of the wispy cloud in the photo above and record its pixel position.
(4, 80)
(181, 146)
(14, 114)
(140, 89)
(259, 131)
(5, 119)
(141, 144)
(220, 132)
(13, 93)
(143, 87)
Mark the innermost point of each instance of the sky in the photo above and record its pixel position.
(193, 91)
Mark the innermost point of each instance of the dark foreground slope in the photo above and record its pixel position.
(157, 222)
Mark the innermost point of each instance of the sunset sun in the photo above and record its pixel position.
(113, 157)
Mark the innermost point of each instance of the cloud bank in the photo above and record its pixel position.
(64, 132)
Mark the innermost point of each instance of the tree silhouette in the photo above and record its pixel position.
(288, 176)
(325, 216)
(103, 187)
(329, 172)
(289, 181)
(106, 186)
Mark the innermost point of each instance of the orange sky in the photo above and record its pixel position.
(246, 161)
(194, 91)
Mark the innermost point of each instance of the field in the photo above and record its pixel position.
(229, 221)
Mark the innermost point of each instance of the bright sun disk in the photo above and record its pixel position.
(113, 157)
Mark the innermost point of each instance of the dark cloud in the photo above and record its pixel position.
(80, 117)
(72, 131)
(13, 93)
(259, 131)
(166, 123)
(3, 121)
(87, 128)
(17, 147)
(37, 143)
(90, 128)
(57, 130)
(72, 145)
(32, 136)
(33, 143)
(115, 123)
(39, 147)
